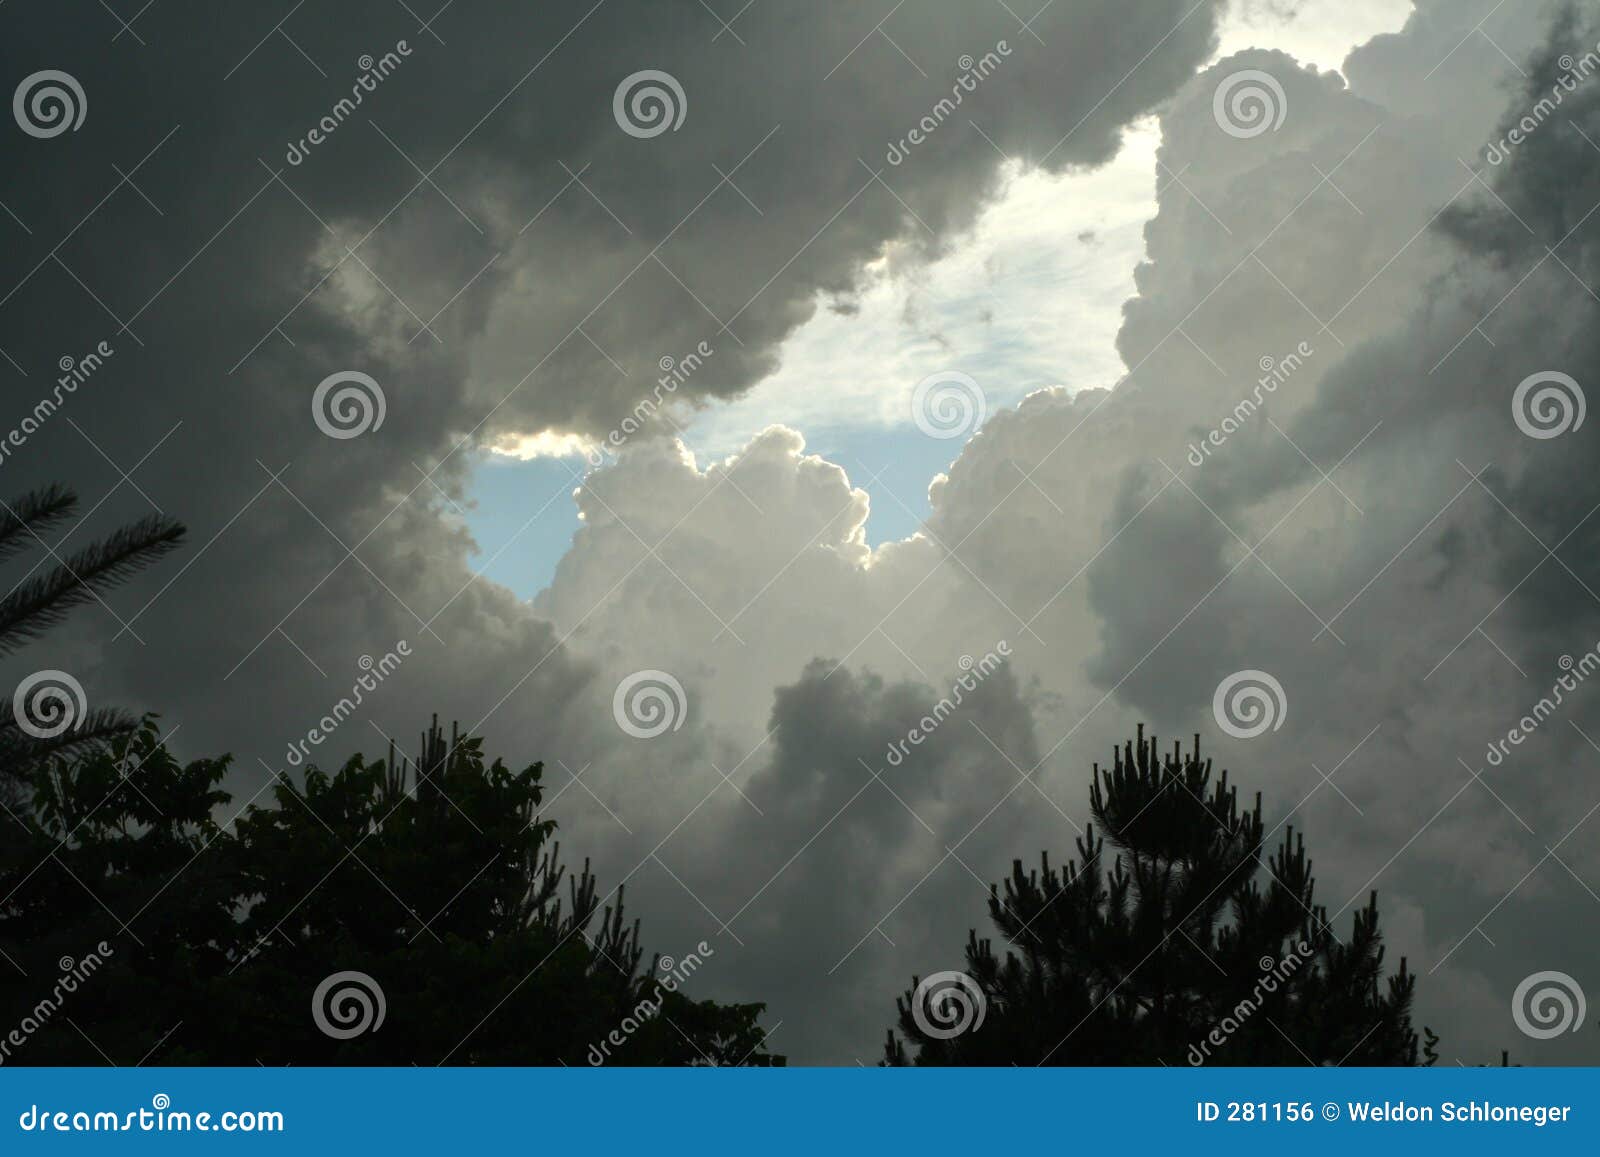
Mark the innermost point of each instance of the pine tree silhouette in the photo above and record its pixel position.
(1173, 954)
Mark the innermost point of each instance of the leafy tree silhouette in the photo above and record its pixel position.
(1176, 955)
(40, 601)
(438, 879)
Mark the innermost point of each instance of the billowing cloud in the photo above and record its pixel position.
(448, 206)
(505, 261)
(455, 211)
(1362, 278)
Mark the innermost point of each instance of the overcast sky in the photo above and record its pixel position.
(980, 386)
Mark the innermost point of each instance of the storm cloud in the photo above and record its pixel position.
(486, 240)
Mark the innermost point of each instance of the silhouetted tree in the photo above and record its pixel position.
(1173, 953)
(437, 879)
(41, 600)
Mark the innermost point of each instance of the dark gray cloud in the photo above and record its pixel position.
(483, 240)
(1406, 602)
(839, 865)
(1410, 605)
(1412, 592)
(244, 280)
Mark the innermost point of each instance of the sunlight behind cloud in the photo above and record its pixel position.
(1032, 298)
(545, 444)
(1319, 32)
